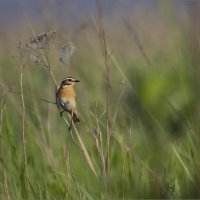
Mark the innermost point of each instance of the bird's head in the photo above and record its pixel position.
(69, 81)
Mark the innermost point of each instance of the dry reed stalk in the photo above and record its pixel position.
(107, 98)
(69, 169)
(22, 60)
(97, 137)
(85, 152)
(82, 148)
(23, 131)
(106, 54)
(137, 41)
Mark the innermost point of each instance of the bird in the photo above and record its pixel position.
(66, 98)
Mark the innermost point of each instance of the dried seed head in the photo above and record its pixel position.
(42, 41)
(36, 59)
(32, 48)
(66, 52)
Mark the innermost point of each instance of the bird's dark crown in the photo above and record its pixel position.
(69, 81)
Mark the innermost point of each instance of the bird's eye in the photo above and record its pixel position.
(70, 79)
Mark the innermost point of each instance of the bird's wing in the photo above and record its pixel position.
(57, 103)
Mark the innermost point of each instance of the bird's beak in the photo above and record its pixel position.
(77, 81)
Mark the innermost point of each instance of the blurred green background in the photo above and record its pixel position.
(141, 138)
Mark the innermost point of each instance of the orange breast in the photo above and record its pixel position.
(67, 98)
(67, 92)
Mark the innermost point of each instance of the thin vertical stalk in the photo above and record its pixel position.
(69, 169)
(99, 144)
(23, 131)
(107, 104)
(82, 148)
(85, 152)
(137, 42)
(103, 42)
(46, 58)
(6, 190)
(107, 98)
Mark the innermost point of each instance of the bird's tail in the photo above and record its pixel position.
(75, 118)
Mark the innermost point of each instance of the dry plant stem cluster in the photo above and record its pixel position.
(98, 141)
(37, 51)
(106, 54)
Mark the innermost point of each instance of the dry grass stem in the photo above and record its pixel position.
(69, 169)
(137, 41)
(85, 152)
(23, 132)
(81, 147)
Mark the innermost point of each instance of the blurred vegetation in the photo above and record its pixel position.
(141, 136)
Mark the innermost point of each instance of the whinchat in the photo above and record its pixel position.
(66, 98)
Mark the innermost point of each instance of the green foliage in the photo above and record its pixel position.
(153, 150)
